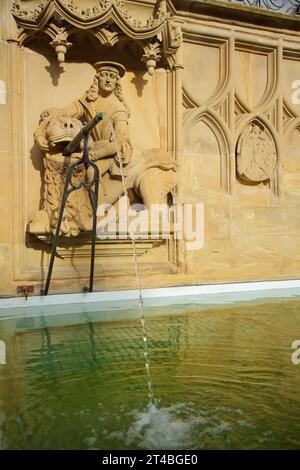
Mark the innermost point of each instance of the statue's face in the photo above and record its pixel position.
(107, 80)
(256, 130)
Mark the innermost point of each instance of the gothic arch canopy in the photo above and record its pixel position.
(108, 20)
(100, 11)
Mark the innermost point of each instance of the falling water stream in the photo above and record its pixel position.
(151, 396)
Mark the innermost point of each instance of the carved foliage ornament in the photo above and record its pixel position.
(256, 155)
(109, 35)
(29, 14)
(174, 35)
(60, 42)
(89, 12)
(108, 20)
(72, 11)
(151, 56)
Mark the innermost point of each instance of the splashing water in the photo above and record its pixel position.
(179, 426)
(157, 428)
(151, 396)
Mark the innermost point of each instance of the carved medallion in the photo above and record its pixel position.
(256, 155)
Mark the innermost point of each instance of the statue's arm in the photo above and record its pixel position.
(121, 128)
(109, 148)
(103, 149)
(123, 139)
(73, 110)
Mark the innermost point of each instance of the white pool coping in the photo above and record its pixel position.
(260, 289)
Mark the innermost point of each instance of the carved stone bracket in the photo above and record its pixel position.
(109, 35)
(174, 35)
(107, 20)
(60, 42)
(151, 56)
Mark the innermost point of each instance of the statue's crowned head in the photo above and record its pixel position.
(109, 74)
(108, 66)
(106, 81)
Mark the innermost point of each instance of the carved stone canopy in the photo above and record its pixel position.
(108, 20)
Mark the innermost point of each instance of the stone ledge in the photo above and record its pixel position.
(221, 9)
(113, 247)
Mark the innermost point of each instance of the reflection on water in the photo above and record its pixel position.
(223, 380)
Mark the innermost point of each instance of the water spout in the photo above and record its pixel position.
(151, 396)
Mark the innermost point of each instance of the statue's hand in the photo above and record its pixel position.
(91, 144)
(125, 151)
(76, 155)
(103, 149)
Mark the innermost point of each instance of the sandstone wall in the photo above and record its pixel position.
(228, 74)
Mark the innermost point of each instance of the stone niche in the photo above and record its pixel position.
(58, 45)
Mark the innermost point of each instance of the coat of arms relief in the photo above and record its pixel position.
(256, 156)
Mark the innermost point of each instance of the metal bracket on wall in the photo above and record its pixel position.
(93, 188)
(25, 290)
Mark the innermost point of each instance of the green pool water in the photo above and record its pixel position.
(222, 377)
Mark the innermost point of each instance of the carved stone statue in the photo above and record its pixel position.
(52, 135)
(150, 174)
(256, 155)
